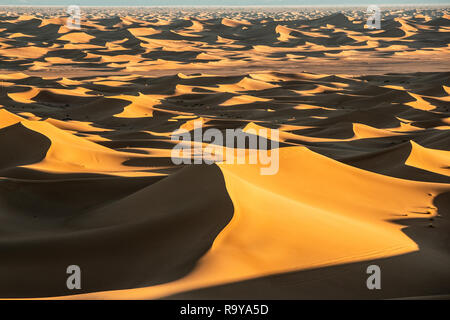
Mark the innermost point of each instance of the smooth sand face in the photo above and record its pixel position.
(86, 174)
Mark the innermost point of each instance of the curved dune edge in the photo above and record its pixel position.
(276, 229)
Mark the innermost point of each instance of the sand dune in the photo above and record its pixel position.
(86, 175)
(156, 38)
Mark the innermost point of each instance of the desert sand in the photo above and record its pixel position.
(86, 174)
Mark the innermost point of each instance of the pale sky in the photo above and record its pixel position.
(219, 2)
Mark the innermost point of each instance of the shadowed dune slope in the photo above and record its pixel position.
(147, 234)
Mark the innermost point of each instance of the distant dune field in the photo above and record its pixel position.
(87, 178)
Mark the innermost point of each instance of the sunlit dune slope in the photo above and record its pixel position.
(306, 216)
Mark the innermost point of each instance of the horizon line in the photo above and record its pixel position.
(235, 6)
